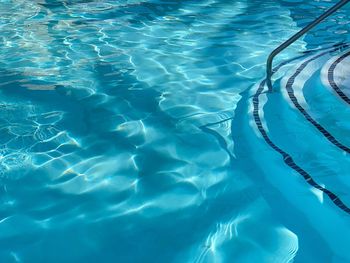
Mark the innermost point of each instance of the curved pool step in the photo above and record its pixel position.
(300, 104)
(292, 196)
(275, 135)
(288, 129)
(310, 98)
(266, 148)
(336, 74)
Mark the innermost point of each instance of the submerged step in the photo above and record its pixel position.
(288, 131)
(336, 75)
(305, 92)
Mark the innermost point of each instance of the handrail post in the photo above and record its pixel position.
(296, 37)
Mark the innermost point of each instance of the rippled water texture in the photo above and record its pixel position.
(127, 135)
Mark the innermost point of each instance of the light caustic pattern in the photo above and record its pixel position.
(125, 136)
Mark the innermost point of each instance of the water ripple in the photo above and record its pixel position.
(121, 135)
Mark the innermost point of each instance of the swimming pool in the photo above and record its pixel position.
(141, 131)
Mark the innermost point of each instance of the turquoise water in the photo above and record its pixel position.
(128, 135)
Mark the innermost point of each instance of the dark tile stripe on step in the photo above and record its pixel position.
(331, 80)
(286, 157)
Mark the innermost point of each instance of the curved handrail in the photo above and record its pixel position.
(296, 37)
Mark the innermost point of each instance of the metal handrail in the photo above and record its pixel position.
(296, 37)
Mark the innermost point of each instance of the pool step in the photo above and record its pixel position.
(291, 124)
(336, 75)
(299, 171)
(304, 90)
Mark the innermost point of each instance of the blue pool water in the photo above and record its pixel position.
(129, 132)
